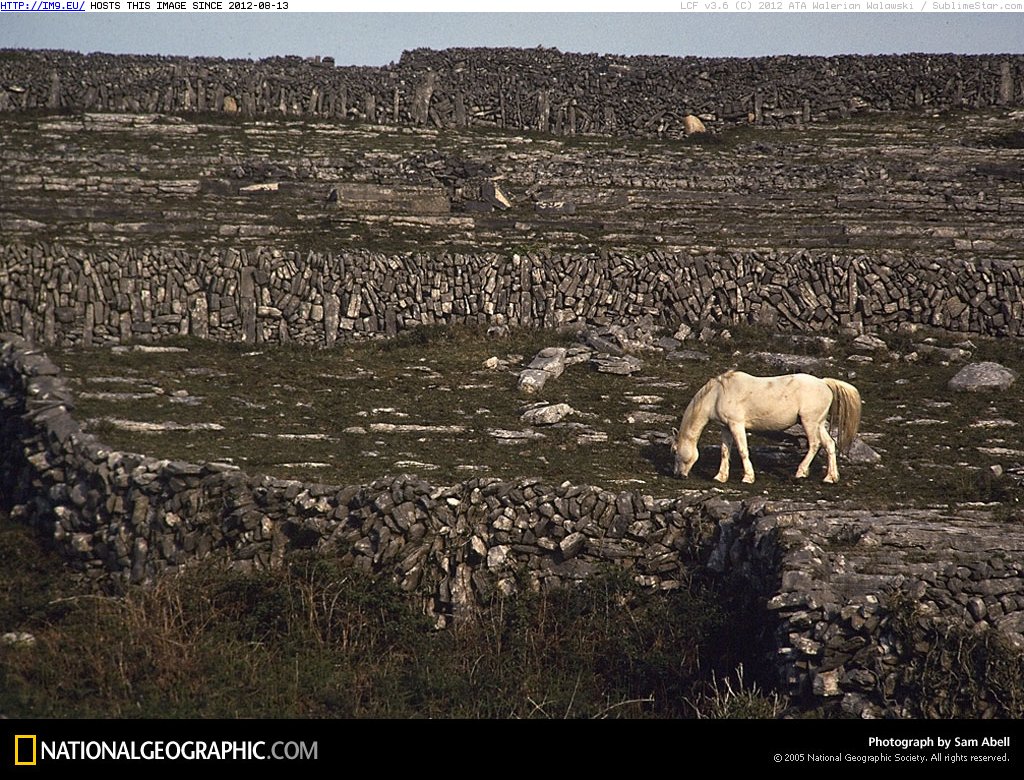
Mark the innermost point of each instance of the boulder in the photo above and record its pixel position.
(551, 360)
(867, 342)
(979, 377)
(602, 343)
(683, 332)
(692, 125)
(949, 354)
(862, 453)
(572, 544)
(270, 186)
(18, 638)
(493, 195)
(532, 381)
(667, 343)
(790, 363)
(549, 363)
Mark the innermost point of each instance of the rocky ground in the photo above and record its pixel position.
(904, 182)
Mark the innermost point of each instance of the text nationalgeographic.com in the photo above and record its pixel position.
(161, 750)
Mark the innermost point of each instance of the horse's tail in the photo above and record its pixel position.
(845, 410)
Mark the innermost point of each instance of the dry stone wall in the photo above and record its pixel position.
(52, 294)
(537, 89)
(126, 518)
(831, 581)
(860, 598)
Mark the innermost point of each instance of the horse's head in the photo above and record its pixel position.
(685, 453)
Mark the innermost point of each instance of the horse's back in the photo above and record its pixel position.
(742, 383)
(772, 402)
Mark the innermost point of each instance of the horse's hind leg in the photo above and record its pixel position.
(813, 443)
(832, 472)
(723, 469)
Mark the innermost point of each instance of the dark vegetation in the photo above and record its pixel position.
(963, 674)
(314, 640)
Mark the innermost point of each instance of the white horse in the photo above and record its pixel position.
(741, 402)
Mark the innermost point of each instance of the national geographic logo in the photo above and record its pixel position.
(24, 749)
(29, 750)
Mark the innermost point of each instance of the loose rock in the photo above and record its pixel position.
(979, 377)
(548, 364)
(549, 414)
(617, 364)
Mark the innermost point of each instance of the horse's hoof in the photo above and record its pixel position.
(800, 475)
(720, 478)
(831, 480)
(749, 480)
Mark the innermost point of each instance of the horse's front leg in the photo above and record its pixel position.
(813, 444)
(739, 435)
(723, 469)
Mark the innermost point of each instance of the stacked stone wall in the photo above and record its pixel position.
(126, 518)
(524, 89)
(56, 295)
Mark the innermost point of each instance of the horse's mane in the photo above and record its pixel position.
(712, 384)
(707, 388)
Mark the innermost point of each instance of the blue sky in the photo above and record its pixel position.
(376, 39)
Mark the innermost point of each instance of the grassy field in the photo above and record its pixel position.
(351, 414)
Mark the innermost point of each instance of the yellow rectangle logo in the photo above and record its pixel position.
(20, 744)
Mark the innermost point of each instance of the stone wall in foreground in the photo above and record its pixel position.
(857, 600)
(523, 89)
(864, 603)
(57, 295)
(126, 518)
